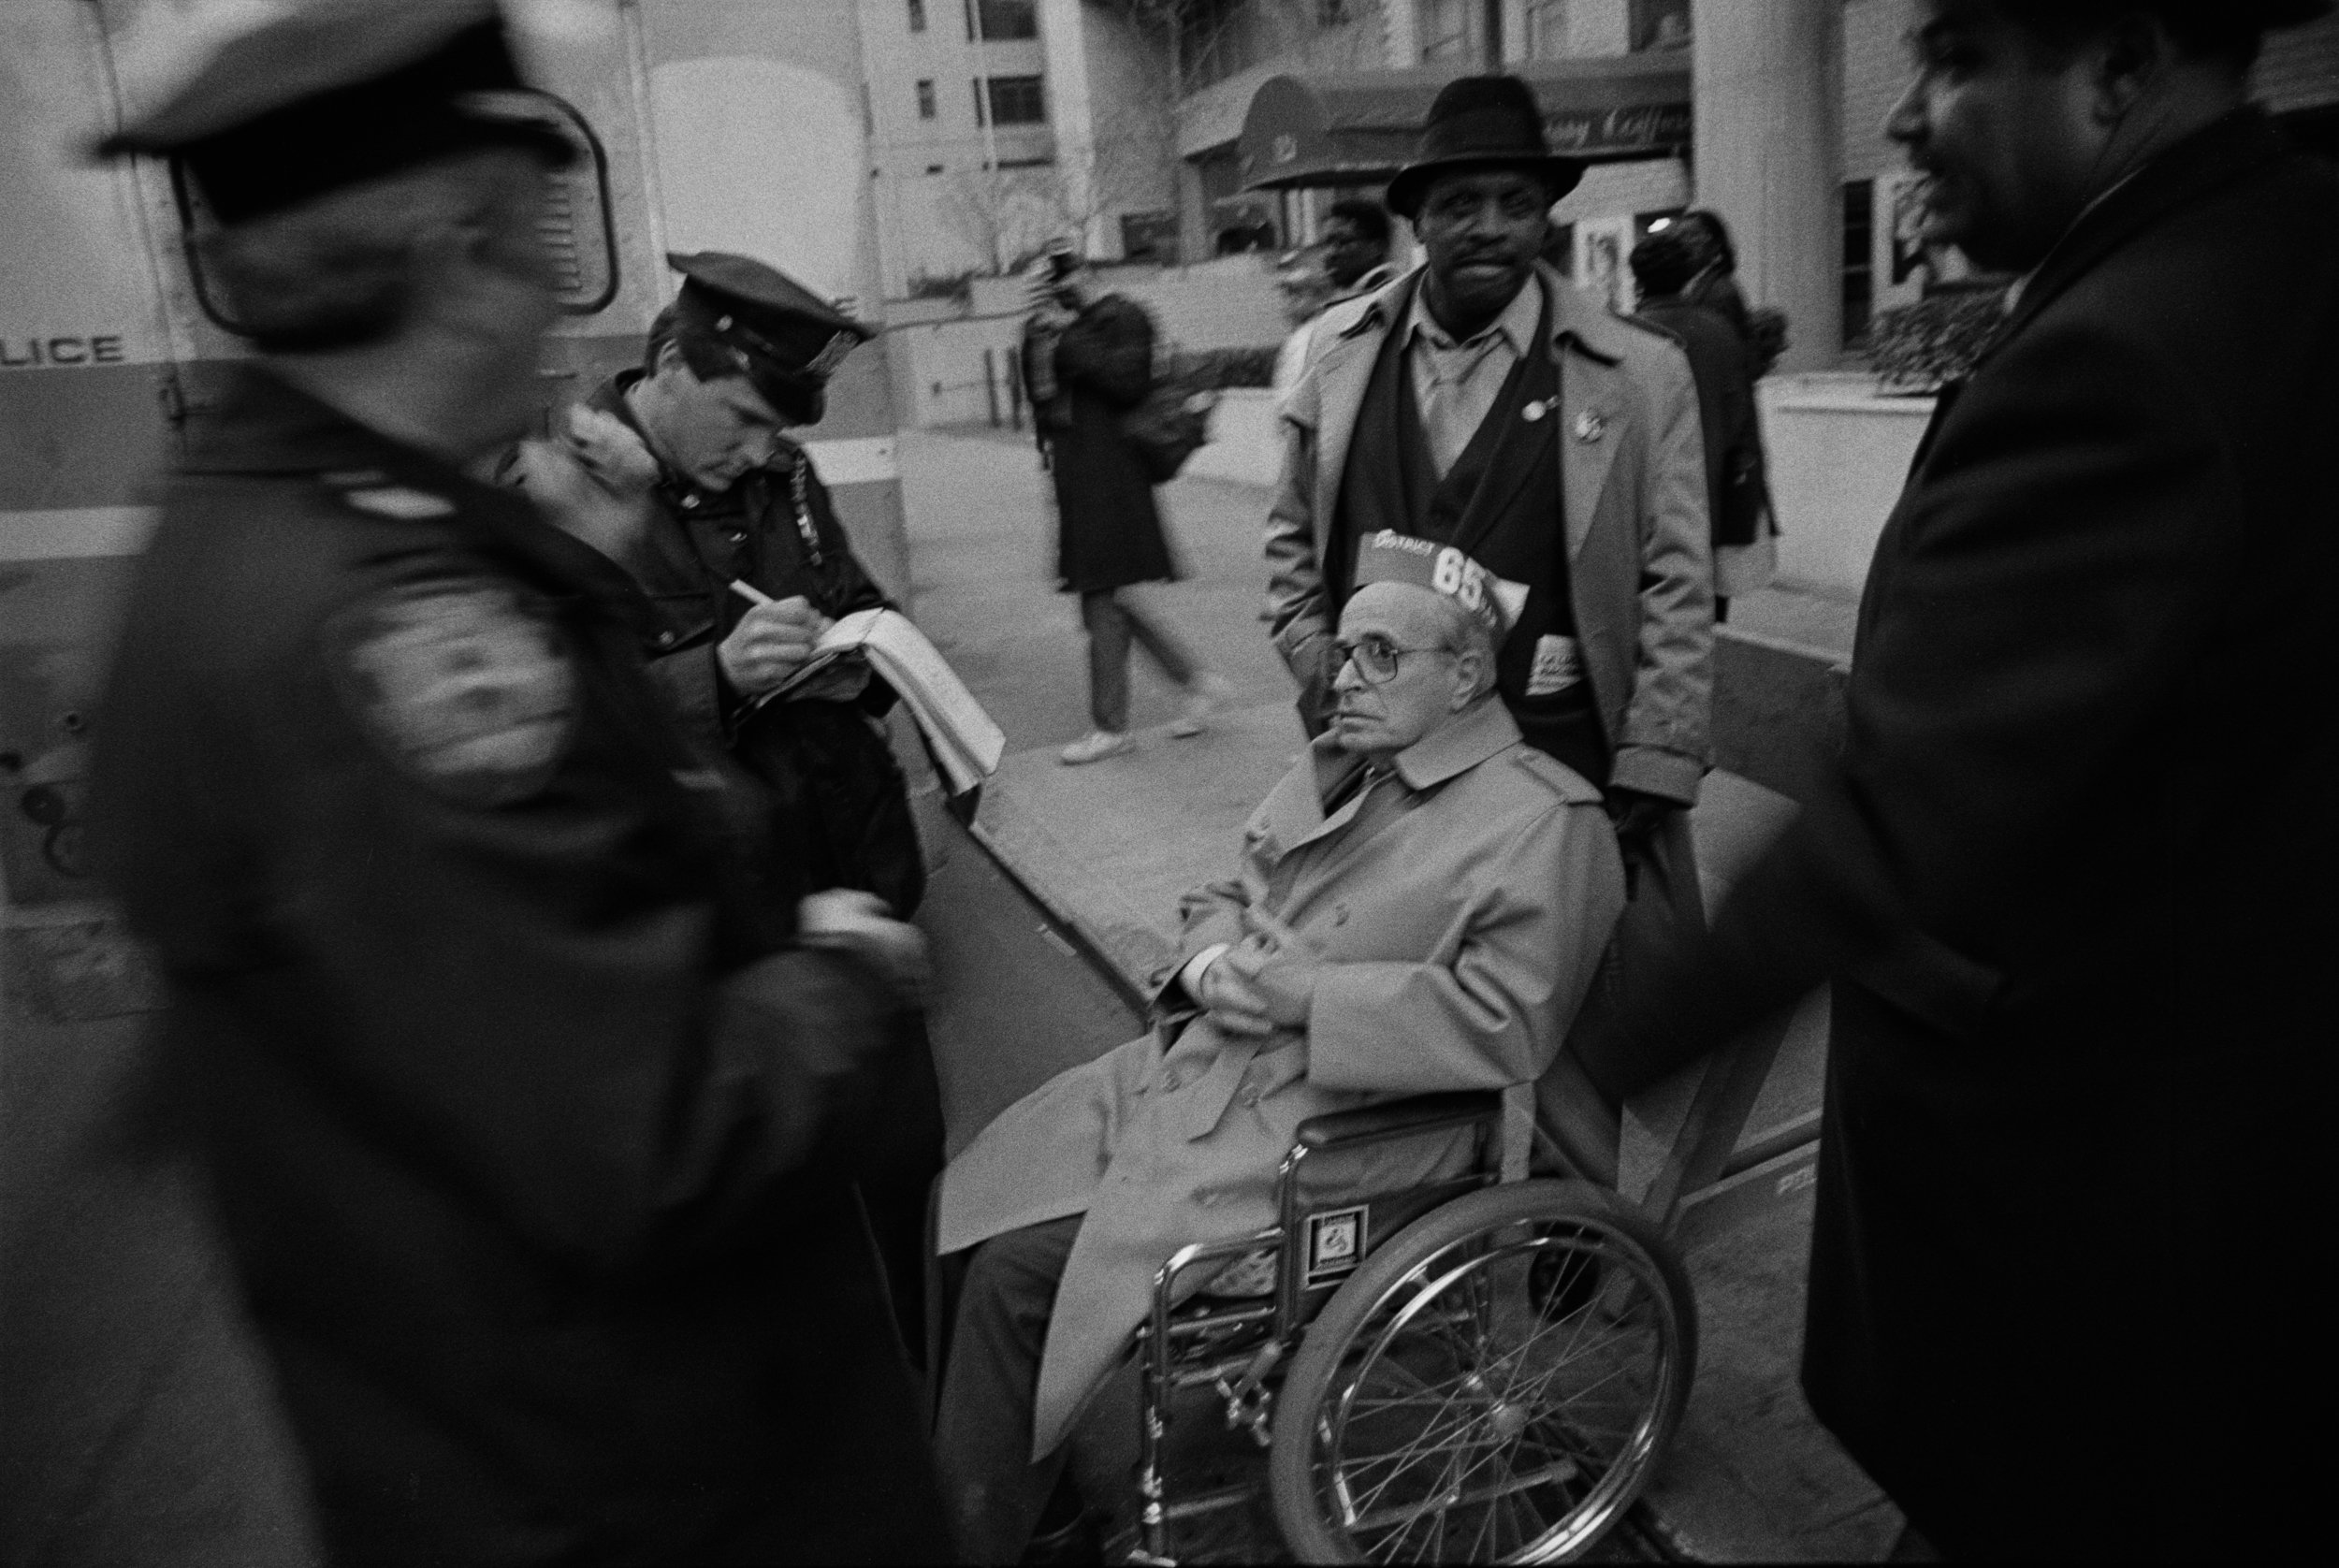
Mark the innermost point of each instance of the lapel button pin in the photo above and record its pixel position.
(1590, 425)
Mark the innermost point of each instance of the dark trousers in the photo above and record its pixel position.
(1114, 619)
(991, 1490)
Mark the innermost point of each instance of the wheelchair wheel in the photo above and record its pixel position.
(1494, 1385)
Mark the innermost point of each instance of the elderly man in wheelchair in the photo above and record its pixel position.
(1420, 907)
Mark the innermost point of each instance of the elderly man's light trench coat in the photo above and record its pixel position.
(1462, 929)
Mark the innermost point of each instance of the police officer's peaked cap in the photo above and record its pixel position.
(788, 340)
(334, 92)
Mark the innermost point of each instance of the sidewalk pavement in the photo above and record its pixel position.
(1110, 847)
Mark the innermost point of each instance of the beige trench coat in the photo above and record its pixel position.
(1461, 933)
(1633, 477)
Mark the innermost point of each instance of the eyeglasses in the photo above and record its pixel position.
(1376, 657)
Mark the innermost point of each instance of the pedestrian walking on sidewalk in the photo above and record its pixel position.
(1088, 362)
(2071, 877)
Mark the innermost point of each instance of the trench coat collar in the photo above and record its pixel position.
(1587, 343)
(1293, 813)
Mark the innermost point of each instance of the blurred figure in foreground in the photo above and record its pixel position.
(683, 473)
(1738, 493)
(2071, 877)
(522, 1120)
(1088, 365)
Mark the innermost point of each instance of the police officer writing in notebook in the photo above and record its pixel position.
(682, 472)
(521, 1120)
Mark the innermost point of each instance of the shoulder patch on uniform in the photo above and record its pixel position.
(398, 500)
(465, 689)
(1561, 779)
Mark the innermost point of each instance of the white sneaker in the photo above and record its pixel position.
(1095, 747)
(1209, 693)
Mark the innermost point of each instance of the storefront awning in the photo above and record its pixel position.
(1358, 130)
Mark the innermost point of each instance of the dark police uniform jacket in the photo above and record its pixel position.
(840, 807)
(2072, 874)
(520, 1136)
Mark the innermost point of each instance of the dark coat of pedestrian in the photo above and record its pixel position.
(1109, 532)
(1737, 487)
(2071, 874)
(526, 1134)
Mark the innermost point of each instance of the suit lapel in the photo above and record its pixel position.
(1588, 438)
(1585, 350)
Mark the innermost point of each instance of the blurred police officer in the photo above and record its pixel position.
(521, 1125)
(2071, 876)
(683, 473)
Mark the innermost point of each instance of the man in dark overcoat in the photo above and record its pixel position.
(2071, 874)
(1089, 363)
(525, 1126)
(683, 473)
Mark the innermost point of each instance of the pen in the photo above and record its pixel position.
(749, 592)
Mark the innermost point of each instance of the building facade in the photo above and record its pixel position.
(999, 125)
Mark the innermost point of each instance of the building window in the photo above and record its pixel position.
(1002, 21)
(1015, 100)
(925, 100)
(1660, 24)
(1859, 259)
(917, 16)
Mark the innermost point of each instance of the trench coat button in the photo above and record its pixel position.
(1339, 914)
(1169, 1080)
(1250, 1096)
(665, 639)
(737, 536)
(1207, 1200)
(689, 503)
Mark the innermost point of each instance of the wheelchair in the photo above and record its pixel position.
(1476, 1369)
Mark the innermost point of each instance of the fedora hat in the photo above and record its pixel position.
(1481, 121)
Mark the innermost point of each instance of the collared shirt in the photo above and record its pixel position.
(1455, 384)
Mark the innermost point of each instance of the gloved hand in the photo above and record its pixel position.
(1637, 817)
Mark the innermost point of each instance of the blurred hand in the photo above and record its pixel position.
(841, 682)
(770, 644)
(846, 919)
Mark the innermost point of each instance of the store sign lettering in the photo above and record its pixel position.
(17, 354)
(1634, 128)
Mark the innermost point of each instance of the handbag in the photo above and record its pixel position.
(1165, 430)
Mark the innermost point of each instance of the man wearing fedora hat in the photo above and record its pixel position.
(2071, 877)
(1481, 401)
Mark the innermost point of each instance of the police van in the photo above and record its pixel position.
(732, 125)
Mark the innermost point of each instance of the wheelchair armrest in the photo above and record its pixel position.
(1420, 1113)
